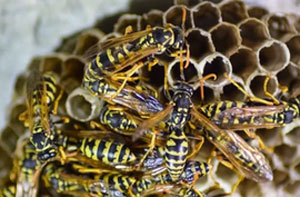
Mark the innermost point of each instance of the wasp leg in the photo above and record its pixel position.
(127, 75)
(267, 93)
(198, 147)
(94, 124)
(166, 82)
(56, 102)
(251, 133)
(202, 80)
(83, 169)
(251, 98)
(151, 147)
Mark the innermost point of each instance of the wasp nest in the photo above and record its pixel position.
(247, 43)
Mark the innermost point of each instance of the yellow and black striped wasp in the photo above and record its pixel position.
(42, 102)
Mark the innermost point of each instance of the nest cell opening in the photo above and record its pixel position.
(125, 21)
(279, 26)
(273, 57)
(294, 135)
(52, 64)
(280, 177)
(200, 44)
(174, 16)
(270, 137)
(189, 73)
(294, 48)
(257, 85)
(286, 153)
(249, 188)
(85, 42)
(293, 188)
(208, 96)
(231, 92)
(253, 33)
(153, 18)
(244, 62)
(288, 75)
(9, 137)
(226, 38)
(257, 12)
(205, 16)
(73, 67)
(217, 66)
(234, 12)
(80, 107)
(155, 77)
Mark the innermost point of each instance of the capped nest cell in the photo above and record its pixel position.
(224, 37)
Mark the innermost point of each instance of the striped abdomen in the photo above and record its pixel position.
(116, 181)
(108, 151)
(176, 152)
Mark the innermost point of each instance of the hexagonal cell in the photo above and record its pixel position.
(73, 67)
(9, 138)
(206, 15)
(286, 153)
(253, 33)
(86, 41)
(244, 62)
(6, 159)
(127, 20)
(287, 76)
(233, 11)
(293, 188)
(153, 18)
(273, 56)
(297, 23)
(82, 106)
(257, 12)
(52, 64)
(208, 96)
(231, 92)
(279, 26)
(68, 44)
(189, 74)
(226, 38)
(257, 84)
(174, 15)
(294, 88)
(20, 85)
(280, 177)
(249, 188)
(14, 121)
(294, 48)
(294, 135)
(297, 168)
(217, 64)
(35, 63)
(200, 43)
(226, 177)
(270, 137)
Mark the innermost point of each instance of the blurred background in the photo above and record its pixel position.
(35, 27)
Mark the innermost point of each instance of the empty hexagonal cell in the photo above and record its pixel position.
(20, 85)
(218, 65)
(253, 33)
(200, 43)
(279, 26)
(35, 63)
(6, 159)
(127, 20)
(288, 75)
(270, 137)
(73, 67)
(286, 153)
(292, 188)
(14, 119)
(82, 106)
(257, 12)
(174, 15)
(87, 42)
(257, 84)
(226, 38)
(233, 11)
(153, 18)
(280, 177)
(226, 177)
(297, 168)
(294, 47)
(9, 138)
(206, 15)
(208, 96)
(231, 92)
(273, 56)
(244, 62)
(249, 188)
(52, 63)
(175, 74)
(294, 135)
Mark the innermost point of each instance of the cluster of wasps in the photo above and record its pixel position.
(139, 146)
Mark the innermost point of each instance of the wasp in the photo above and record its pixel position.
(191, 192)
(8, 191)
(42, 102)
